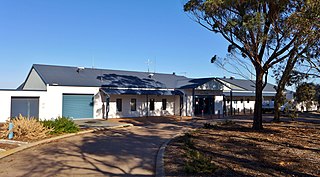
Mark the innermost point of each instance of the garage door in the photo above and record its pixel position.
(26, 106)
(77, 106)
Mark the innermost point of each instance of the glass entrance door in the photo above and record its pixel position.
(204, 104)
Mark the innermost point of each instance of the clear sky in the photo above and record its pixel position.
(105, 34)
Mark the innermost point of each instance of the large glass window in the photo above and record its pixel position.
(119, 104)
(151, 104)
(133, 104)
(27, 107)
(164, 104)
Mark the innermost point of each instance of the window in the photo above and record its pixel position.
(164, 104)
(133, 104)
(151, 104)
(119, 105)
(26, 106)
(235, 101)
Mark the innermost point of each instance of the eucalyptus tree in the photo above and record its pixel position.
(264, 32)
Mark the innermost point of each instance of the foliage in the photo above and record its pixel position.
(61, 125)
(264, 33)
(306, 92)
(26, 129)
(291, 110)
(318, 94)
(199, 163)
(187, 140)
(209, 126)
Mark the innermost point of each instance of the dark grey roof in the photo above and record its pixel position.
(91, 77)
(248, 85)
(71, 76)
(140, 92)
(192, 83)
(20, 86)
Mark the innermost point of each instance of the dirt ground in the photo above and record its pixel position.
(142, 121)
(281, 149)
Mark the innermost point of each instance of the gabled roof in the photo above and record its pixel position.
(248, 85)
(92, 77)
(192, 83)
(89, 77)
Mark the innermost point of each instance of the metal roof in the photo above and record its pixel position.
(248, 85)
(91, 77)
(140, 92)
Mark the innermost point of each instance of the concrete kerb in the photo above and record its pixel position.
(160, 156)
(30, 145)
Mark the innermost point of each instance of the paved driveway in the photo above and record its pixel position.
(122, 152)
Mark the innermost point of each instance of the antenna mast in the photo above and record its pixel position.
(148, 63)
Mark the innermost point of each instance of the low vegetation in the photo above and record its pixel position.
(234, 149)
(197, 162)
(30, 129)
(26, 129)
(61, 125)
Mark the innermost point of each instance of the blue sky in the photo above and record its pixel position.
(107, 34)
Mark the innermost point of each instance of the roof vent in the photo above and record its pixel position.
(231, 77)
(173, 73)
(80, 69)
(150, 75)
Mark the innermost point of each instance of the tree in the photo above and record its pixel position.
(306, 93)
(264, 32)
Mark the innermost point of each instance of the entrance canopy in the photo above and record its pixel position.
(139, 92)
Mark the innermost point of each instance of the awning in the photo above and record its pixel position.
(247, 94)
(139, 92)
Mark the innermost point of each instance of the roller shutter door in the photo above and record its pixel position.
(77, 106)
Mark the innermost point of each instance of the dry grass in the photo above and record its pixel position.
(279, 150)
(26, 129)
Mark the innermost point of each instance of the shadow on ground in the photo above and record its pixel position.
(121, 152)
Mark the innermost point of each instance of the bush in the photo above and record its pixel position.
(26, 129)
(187, 139)
(199, 163)
(209, 126)
(61, 125)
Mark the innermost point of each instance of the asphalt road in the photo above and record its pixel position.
(123, 152)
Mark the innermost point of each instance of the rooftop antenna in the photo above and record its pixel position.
(155, 63)
(184, 73)
(148, 63)
(92, 61)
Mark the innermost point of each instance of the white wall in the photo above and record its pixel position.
(54, 97)
(244, 105)
(5, 101)
(143, 108)
(187, 102)
(218, 105)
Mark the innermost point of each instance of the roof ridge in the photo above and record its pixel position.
(110, 70)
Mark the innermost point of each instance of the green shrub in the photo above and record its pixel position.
(209, 126)
(61, 125)
(228, 123)
(199, 163)
(187, 139)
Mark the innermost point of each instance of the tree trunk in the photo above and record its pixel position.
(257, 119)
(277, 106)
(281, 86)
